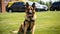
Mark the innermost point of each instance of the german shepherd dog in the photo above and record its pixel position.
(29, 22)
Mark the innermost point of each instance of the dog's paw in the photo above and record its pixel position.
(14, 31)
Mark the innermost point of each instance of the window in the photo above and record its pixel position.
(8, 0)
(17, 0)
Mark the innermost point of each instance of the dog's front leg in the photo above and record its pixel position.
(25, 28)
(20, 29)
(33, 29)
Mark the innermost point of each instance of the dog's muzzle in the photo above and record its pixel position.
(30, 12)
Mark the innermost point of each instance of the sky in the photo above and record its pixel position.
(48, 0)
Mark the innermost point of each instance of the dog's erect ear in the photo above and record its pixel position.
(27, 4)
(33, 5)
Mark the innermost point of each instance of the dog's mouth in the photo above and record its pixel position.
(30, 15)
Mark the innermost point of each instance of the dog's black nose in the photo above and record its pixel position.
(30, 13)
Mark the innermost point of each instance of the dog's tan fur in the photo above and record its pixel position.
(32, 25)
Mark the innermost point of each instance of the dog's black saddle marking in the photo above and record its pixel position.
(31, 21)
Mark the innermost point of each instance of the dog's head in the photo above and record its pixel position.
(30, 10)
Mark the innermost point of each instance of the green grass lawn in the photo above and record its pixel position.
(46, 22)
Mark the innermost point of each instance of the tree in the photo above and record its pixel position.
(47, 3)
(41, 2)
(34, 0)
(50, 2)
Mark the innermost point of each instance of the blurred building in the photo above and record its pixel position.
(3, 4)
